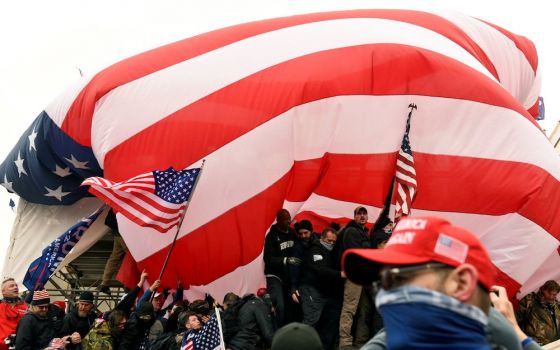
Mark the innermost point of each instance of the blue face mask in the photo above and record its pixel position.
(417, 318)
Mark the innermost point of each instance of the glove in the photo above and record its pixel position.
(292, 260)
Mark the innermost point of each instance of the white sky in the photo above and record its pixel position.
(43, 42)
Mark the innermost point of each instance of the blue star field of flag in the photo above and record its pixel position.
(47, 166)
(175, 186)
(405, 146)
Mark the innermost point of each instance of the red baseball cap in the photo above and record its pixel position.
(418, 240)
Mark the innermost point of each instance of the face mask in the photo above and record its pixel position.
(417, 318)
(328, 246)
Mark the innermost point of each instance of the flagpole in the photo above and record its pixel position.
(222, 343)
(180, 224)
(386, 205)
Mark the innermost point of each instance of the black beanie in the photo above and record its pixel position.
(304, 225)
(145, 308)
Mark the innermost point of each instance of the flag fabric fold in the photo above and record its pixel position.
(156, 199)
(44, 266)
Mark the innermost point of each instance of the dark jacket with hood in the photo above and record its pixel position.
(136, 330)
(278, 246)
(255, 324)
(74, 323)
(34, 332)
(321, 272)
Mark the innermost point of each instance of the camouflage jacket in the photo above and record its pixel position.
(539, 319)
(98, 338)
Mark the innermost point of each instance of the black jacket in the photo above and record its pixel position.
(320, 270)
(277, 246)
(255, 325)
(134, 332)
(74, 323)
(300, 251)
(34, 333)
(355, 236)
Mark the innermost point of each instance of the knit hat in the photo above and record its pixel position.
(296, 336)
(304, 225)
(40, 297)
(419, 240)
(86, 297)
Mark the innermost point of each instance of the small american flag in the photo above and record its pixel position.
(208, 338)
(156, 199)
(405, 174)
(451, 248)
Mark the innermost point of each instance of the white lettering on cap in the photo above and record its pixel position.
(401, 238)
(412, 224)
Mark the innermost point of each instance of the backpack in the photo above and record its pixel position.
(98, 338)
(165, 341)
(231, 318)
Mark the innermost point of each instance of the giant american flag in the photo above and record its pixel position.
(306, 113)
(405, 174)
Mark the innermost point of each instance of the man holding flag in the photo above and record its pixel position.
(209, 337)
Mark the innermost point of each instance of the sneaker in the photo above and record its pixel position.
(104, 289)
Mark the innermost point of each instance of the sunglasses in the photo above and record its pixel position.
(392, 276)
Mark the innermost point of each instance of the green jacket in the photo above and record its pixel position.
(539, 319)
(98, 338)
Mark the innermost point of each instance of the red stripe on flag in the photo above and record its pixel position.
(363, 70)
(494, 187)
(120, 206)
(80, 113)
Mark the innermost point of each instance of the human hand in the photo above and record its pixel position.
(342, 274)
(155, 285)
(292, 260)
(295, 296)
(205, 318)
(75, 338)
(499, 298)
(143, 275)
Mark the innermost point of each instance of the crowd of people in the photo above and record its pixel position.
(424, 285)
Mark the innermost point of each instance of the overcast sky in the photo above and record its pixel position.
(43, 43)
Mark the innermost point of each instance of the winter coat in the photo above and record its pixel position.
(278, 245)
(34, 332)
(355, 236)
(135, 332)
(320, 270)
(255, 325)
(539, 319)
(99, 338)
(74, 323)
(10, 315)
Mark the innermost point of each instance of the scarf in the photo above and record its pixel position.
(418, 318)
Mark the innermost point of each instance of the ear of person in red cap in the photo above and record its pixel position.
(435, 279)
